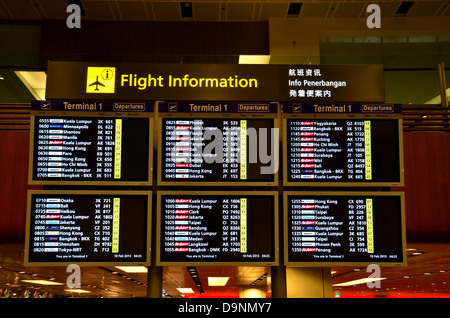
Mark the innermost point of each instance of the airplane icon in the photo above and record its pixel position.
(97, 83)
(172, 107)
(45, 105)
(107, 77)
(297, 108)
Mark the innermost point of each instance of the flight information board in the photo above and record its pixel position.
(80, 149)
(88, 228)
(344, 228)
(226, 228)
(218, 144)
(339, 149)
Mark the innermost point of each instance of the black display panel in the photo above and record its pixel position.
(87, 149)
(227, 228)
(343, 151)
(347, 228)
(88, 228)
(190, 155)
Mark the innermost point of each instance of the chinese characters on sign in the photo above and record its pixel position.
(307, 82)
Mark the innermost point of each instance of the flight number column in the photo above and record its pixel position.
(103, 225)
(105, 148)
(232, 152)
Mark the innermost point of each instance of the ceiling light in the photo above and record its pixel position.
(254, 59)
(217, 281)
(133, 269)
(35, 82)
(437, 100)
(77, 290)
(1, 78)
(41, 282)
(360, 281)
(185, 290)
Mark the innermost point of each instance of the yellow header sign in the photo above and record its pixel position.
(215, 82)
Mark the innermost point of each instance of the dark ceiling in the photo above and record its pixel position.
(210, 10)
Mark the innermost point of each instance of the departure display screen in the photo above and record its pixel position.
(218, 144)
(88, 227)
(75, 149)
(226, 228)
(347, 150)
(193, 153)
(344, 228)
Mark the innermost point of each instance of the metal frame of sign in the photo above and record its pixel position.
(238, 115)
(147, 194)
(159, 247)
(321, 263)
(71, 114)
(350, 116)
